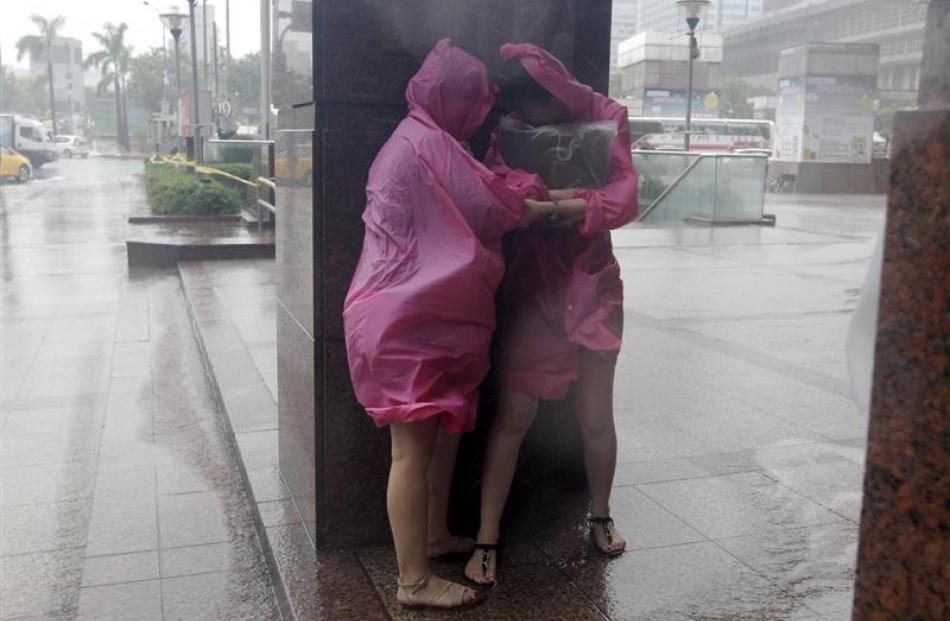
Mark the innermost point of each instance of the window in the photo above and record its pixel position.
(31, 133)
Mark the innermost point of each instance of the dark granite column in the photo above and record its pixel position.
(341, 67)
(903, 551)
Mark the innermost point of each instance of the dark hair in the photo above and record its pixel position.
(517, 86)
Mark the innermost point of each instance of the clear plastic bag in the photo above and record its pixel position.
(572, 155)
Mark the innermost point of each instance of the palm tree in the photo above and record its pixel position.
(113, 64)
(41, 45)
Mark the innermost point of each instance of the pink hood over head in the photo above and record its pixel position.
(452, 89)
(550, 73)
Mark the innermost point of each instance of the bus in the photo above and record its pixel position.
(667, 133)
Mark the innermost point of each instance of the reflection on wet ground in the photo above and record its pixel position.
(741, 452)
(120, 500)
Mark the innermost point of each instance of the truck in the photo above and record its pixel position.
(28, 137)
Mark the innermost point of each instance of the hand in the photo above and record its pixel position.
(562, 195)
(535, 211)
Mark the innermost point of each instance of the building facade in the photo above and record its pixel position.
(623, 25)
(654, 75)
(662, 16)
(204, 36)
(751, 50)
(68, 92)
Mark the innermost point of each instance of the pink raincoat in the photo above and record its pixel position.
(420, 311)
(563, 289)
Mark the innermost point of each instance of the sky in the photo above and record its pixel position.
(145, 28)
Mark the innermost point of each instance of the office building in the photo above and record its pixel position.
(751, 50)
(68, 92)
(623, 25)
(662, 15)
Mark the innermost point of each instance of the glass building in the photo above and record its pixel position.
(661, 15)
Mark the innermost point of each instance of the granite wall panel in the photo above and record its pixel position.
(299, 391)
(362, 53)
(903, 549)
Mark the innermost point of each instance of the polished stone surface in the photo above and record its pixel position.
(902, 570)
(330, 129)
(739, 486)
(121, 497)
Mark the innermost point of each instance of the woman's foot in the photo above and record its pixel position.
(435, 592)
(607, 538)
(449, 545)
(482, 566)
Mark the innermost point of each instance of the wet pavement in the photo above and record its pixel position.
(121, 498)
(741, 451)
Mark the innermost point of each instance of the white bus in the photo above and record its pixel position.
(664, 133)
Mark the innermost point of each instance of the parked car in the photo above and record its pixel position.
(69, 146)
(12, 164)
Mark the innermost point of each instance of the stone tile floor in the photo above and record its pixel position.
(741, 449)
(122, 498)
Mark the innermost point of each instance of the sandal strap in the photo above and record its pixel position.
(487, 547)
(459, 595)
(600, 520)
(414, 587)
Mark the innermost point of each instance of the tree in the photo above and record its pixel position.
(23, 95)
(244, 80)
(40, 45)
(733, 97)
(146, 84)
(113, 64)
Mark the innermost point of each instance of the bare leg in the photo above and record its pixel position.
(515, 414)
(594, 410)
(407, 501)
(441, 467)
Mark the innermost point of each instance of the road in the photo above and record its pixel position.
(120, 497)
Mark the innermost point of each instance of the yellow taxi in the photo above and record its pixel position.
(12, 164)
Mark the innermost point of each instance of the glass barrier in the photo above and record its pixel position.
(717, 189)
(657, 170)
(740, 187)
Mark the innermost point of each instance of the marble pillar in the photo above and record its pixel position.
(905, 535)
(340, 69)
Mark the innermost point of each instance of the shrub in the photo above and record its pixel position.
(244, 170)
(175, 191)
(651, 187)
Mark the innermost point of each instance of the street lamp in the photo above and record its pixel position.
(693, 11)
(173, 21)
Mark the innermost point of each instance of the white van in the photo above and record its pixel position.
(28, 137)
(71, 146)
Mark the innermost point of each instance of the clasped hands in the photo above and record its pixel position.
(561, 206)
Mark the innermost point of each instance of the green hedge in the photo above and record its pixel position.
(175, 191)
(243, 170)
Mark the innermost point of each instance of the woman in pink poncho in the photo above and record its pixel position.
(420, 310)
(562, 302)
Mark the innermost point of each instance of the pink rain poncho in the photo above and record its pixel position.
(420, 311)
(563, 289)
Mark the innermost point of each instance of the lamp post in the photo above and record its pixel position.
(195, 121)
(693, 11)
(173, 20)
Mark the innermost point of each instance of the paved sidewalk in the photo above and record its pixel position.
(120, 497)
(741, 450)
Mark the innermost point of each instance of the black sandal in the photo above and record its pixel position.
(485, 548)
(604, 522)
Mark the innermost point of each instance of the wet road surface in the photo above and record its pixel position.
(120, 498)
